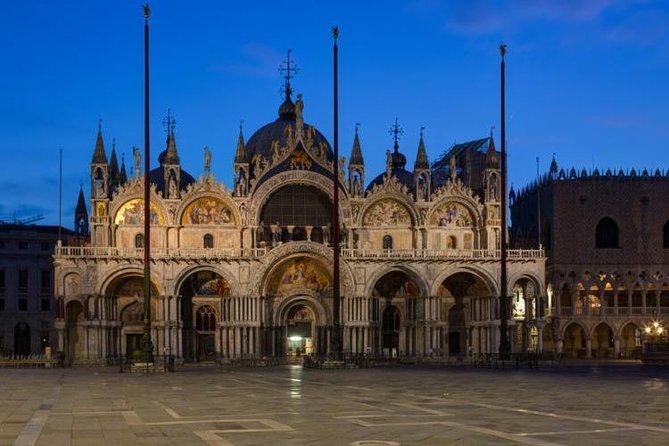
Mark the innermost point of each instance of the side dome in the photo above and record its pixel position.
(157, 176)
(396, 162)
(403, 176)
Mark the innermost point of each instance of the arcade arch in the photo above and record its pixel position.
(203, 301)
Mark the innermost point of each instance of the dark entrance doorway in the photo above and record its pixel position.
(454, 343)
(391, 331)
(22, 339)
(133, 346)
(205, 347)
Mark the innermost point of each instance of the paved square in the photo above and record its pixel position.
(594, 405)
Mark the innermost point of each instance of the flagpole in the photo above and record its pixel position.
(336, 344)
(504, 345)
(60, 196)
(147, 345)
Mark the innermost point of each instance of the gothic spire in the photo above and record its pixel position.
(99, 155)
(171, 155)
(421, 156)
(240, 154)
(123, 177)
(356, 151)
(492, 157)
(554, 166)
(114, 173)
(81, 202)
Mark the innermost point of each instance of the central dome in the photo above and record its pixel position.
(260, 142)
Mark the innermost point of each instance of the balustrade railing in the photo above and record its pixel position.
(108, 252)
(613, 311)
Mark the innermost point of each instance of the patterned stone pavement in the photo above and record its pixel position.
(586, 404)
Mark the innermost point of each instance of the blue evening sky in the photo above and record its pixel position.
(586, 80)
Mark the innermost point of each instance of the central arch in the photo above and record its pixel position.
(299, 290)
(295, 212)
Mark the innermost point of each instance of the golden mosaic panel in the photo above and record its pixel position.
(300, 273)
(452, 215)
(207, 211)
(132, 213)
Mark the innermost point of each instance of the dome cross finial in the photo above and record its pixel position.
(288, 70)
(397, 132)
(169, 122)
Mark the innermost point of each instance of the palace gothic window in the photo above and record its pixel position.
(606, 233)
(665, 235)
(208, 241)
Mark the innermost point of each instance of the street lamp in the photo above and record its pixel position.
(655, 330)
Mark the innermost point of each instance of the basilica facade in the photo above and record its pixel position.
(246, 271)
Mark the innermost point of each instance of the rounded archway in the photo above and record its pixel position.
(462, 292)
(126, 295)
(300, 322)
(394, 311)
(202, 304)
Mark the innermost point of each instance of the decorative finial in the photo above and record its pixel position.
(113, 143)
(357, 124)
(147, 11)
(502, 49)
(288, 69)
(422, 129)
(335, 32)
(169, 122)
(396, 131)
(241, 125)
(99, 124)
(492, 127)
